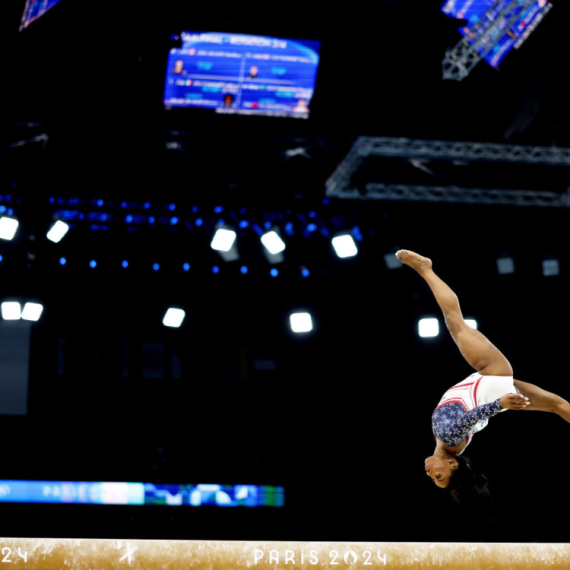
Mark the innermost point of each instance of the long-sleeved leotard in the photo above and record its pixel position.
(451, 423)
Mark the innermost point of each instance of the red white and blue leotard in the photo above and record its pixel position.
(462, 412)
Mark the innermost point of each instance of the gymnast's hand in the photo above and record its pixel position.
(514, 401)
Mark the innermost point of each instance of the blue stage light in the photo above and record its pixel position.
(173, 220)
(155, 266)
(146, 205)
(172, 207)
(186, 267)
(274, 272)
(199, 222)
(312, 214)
(123, 204)
(305, 272)
(10, 212)
(1, 258)
(2, 209)
(62, 261)
(215, 269)
(243, 224)
(218, 209)
(267, 225)
(194, 209)
(243, 269)
(99, 203)
(51, 200)
(311, 227)
(125, 264)
(92, 264)
(151, 220)
(128, 219)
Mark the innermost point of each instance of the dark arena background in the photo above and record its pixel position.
(471, 169)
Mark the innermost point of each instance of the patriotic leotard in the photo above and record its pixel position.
(462, 412)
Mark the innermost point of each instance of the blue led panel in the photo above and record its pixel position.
(120, 493)
(512, 22)
(34, 9)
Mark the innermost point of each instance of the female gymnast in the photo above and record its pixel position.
(466, 407)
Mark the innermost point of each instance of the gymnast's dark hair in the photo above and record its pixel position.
(466, 483)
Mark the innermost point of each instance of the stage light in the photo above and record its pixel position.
(8, 227)
(92, 264)
(273, 242)
(274, 272)
(62, 261)
(301, 322)
(505, 265)
(125, 264)
(550, 267)
(57, 231)
(428, 328)
(155, 266)
(391, 261)
(11, 311)
(243, 270)
(305, 272)
(215, 269)
(344, 246)
(32, 311)
(186, 267)
(173, 317)
(223, 240)
(472, 323)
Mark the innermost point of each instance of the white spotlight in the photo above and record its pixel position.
(223, 240)
(428, 328)
(32, 311)
(8, 227)
(273, 242)
(472, 323)
(301, 322)
(173, 318)
(57, 231)
(344, 246)
(11, 311)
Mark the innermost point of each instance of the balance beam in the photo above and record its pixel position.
(99, 554)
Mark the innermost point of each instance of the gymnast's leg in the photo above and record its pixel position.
(479, 352)
(475, 347)
(544, 401)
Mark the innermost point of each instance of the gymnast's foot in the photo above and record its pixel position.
(415, 261)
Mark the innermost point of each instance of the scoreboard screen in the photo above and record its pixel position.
(242, 74)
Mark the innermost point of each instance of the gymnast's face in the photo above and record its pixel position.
(440, 470)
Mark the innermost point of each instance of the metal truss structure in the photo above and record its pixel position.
(340, 185)
(466, 54)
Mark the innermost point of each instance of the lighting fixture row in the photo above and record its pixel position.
(300, 322)
(12, 311)
(9, 226)
(223, 241)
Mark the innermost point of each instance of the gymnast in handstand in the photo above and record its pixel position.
(465, 408)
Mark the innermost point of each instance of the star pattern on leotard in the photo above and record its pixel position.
(452, 424)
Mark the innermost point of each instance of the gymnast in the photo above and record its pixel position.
(465, 408)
